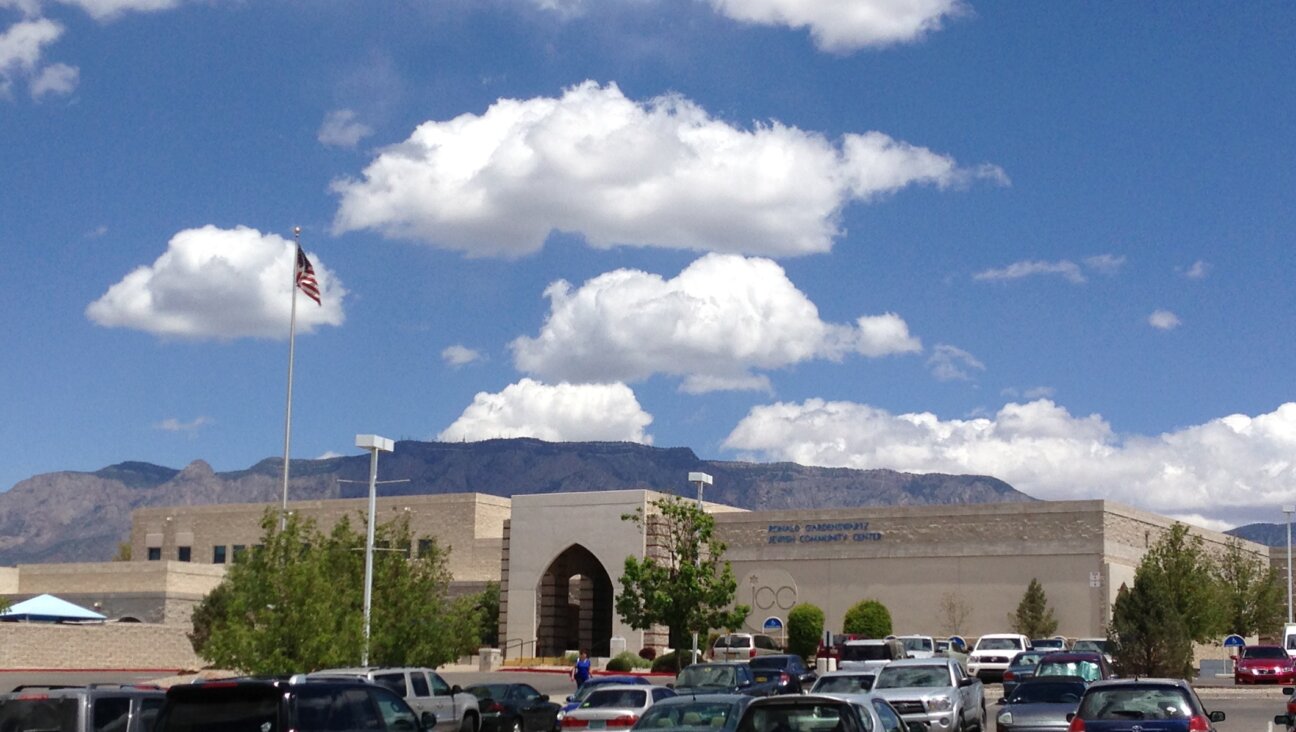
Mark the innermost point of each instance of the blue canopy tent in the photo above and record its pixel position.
(48, 609)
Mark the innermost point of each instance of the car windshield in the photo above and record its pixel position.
(1027, 658)
(854, 684)
(615, 699)
(1090, 645)
(908, 677)
(1050, 643)
(733, 641)
(770, 662)
(865, 652)
(488, 691)
(693, 714)
(589, 686)
(223, 709)
(917, 644)
(718, 676)
(1087, 670)
(39, 712)
(1136, 702)
(1048, 692)
(999, 644)
(796, 717)
(1264, 652)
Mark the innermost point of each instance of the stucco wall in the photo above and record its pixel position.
(111, 646)
(470, 524)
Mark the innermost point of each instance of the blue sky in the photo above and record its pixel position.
(1049, 242)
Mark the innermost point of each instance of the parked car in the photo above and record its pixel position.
(743, 646)
(863, 655)
(421, 688)
(514, 708)
(593, 683)
(299, 704)
(1021, 667)
(1264, 665)
(709, 712)
(787, 670)
(844, 682)
(723, 678)
(614, 706)
(122, 708)
(820, 713)
(1096, 645)
(993, 652)
(1040, 704)
(1289, 718)
(1056, 643)
(1087, 665)
(1160, 705)
(936, 692)
(918, 646)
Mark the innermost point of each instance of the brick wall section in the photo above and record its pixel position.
(111, 646)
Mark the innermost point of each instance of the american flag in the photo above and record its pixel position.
(306, 277)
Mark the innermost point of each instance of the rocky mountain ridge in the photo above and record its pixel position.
(78, 516)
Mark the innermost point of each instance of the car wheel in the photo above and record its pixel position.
(469, 723)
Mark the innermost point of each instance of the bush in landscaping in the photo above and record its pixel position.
(626, 661)
(805, 624)
(665, 663)
(868, 618)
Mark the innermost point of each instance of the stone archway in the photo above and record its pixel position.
(575, 605)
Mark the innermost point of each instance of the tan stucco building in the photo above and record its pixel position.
(559, 558)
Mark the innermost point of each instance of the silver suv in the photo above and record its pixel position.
(424, 690)
(743, 646)
(92, 708)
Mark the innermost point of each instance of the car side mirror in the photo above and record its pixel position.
(1283, 719)
(1216, 716)
(544, 697)
(572, 697)
(967, 681)
(1070, 716)
(427, 720)
(1002, 700)
(1288, 690)
(456, 689)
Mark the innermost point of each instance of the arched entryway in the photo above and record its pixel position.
(575, 605)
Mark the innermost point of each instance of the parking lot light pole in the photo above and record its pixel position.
(701, 479)
(1289, 510)
(374, 444)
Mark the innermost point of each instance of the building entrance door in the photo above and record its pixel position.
(575, 598)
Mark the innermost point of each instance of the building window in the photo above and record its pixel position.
(155, 554)
(184, 553)
(218, 554)
(239, 551)
(425, 546)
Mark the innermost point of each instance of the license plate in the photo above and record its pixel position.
(597, 724)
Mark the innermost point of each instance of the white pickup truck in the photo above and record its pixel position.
(933, 691)
(994, 653)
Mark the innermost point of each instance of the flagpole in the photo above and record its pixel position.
(292, 337)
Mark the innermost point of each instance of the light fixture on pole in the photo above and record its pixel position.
(374, 444)
(1289, 510)
(700, 479)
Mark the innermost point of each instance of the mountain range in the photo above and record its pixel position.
(80, 516)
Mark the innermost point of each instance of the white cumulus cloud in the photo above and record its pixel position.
(341, 129)
(557, 413)
(458, 355)
(1164, 320)
(723, 318)
(110, 9)
(1233, 469)
(950, 363)
(21, 47)
(619, 172)
(219, 283)
(847, 25)
(55, 79)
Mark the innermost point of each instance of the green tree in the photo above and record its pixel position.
(689, 589)
(1147, 632)
(1034, 618)
(123, 552)
(868, 618)
(294, 603)
(1188, 575)
(488, 604)
(1252, 592)
(805, 626)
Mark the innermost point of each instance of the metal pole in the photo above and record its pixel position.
(369, 550)
(292, 338)
(1288, 510)
(701, 479)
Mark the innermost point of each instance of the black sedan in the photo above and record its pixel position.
(788, 672)
(514, 708)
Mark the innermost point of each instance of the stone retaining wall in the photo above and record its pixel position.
(110, 646)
